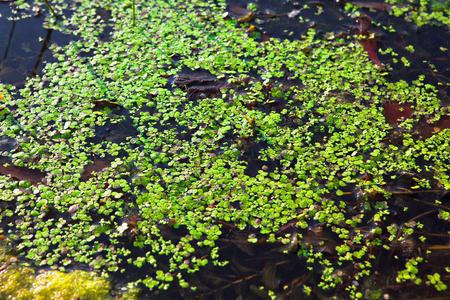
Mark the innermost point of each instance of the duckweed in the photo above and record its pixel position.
(158, 143)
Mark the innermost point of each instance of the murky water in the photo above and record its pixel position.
(24, 45)
(24, 49)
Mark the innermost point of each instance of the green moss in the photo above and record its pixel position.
(21, 282)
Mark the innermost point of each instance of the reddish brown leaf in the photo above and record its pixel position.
(102, 104)
(363, 24)
(98, 165)
(369, 44)
(20, 173)
(394, 111)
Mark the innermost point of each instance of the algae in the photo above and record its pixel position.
(22, 282)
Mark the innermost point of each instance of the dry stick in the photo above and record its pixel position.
(421, 215)
(225, 223)
(436, 75)
(297, 284)
(433, 204)
(237, 281)
(247, 278)
(412, 284)
(431, 234)
(402, 192)
(437, 248)
(400, 229)
(409, 192)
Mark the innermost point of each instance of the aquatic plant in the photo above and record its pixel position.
(160, 146)
(22, 282)
(50, 8)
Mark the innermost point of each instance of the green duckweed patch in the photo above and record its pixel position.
(421, 13)
(155, 149)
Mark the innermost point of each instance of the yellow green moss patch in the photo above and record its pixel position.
(20, 282)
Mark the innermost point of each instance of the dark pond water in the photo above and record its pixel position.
(24, 45)
(24, 49)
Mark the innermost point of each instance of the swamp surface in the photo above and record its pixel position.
(224, 149)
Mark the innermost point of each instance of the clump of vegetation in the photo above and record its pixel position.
(435, 12)
(21, 282)
(159, 146)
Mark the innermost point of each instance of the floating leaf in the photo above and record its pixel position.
(104, 103)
